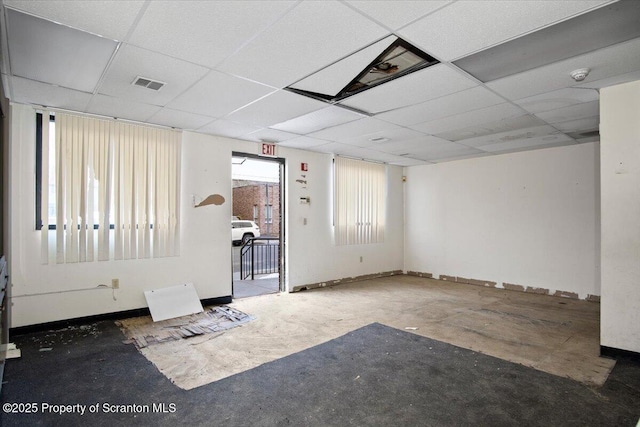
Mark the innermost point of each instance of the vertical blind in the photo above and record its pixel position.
(116, 190)
(359, 201)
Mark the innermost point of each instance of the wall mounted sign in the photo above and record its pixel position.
(268, 149)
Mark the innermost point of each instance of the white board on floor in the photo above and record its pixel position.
(172, 302)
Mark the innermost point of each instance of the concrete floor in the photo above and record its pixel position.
(555, 335)
(262, 285)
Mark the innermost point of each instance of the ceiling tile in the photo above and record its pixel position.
(470, 118)
(408, 146)
(313, 35)
(611, 81)
(461, 157)
(524, 144)
(396, 14)
(318, 120)
(394, 160)
(333, 147)
(446, 151)
(599, 28)
(32, 92)
(6, 86)
(573, 112)
(131, 62)
(227, 128)
(111, 19)
(504, 125)
(331, 79)
(579, 125)
(449, 105)
(595, 138)
(276, 108)
(388, 135)
(119, 108)
(51, 53)
(219, 94)
(354, 129)
(405, 161)
(204, 32)
(513, 135)
(302, 142)
(557, 99)
(432, 82)
(179, 119)
(612, 61)
(364, 154)
(269, 135)
(485, 23)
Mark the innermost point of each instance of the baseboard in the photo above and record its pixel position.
(617, 353)
(335, 282)
(505, 286)
(117, 315)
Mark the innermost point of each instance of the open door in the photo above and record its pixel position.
(257, 225)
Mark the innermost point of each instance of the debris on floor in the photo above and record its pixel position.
(173, 302)
(12, 352)
(142, 331)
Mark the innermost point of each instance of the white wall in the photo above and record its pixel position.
(620, 179)
(44, 293)
(313, 257)
(528, 218)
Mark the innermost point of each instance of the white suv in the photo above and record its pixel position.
(242, 231)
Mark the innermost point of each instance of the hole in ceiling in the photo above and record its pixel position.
(396, 60)
(148, 83)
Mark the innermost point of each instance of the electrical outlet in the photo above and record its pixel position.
(115, 283)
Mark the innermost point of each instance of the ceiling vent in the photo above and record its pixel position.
(148, 83)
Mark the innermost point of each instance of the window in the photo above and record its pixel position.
(107, 189)
(268, 214)
(255, 213)
(359, 201)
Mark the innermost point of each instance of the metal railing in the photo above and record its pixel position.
(259, 255)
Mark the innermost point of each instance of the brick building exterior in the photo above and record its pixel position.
(259, 202)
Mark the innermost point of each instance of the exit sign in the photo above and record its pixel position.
(268, 149)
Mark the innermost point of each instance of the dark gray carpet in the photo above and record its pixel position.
(375, 376)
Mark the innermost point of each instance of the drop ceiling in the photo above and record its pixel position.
(502, 83)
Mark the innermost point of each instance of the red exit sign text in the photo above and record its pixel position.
(269, 150)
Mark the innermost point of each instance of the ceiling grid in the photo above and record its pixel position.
(501, 83)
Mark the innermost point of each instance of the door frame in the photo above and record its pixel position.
(282, 261)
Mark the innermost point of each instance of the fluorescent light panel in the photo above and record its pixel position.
(44, 51)
(606, 26)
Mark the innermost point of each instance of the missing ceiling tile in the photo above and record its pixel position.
(396, 60)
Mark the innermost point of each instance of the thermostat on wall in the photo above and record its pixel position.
(305, 200)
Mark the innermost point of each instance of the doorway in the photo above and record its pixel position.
(257, 223)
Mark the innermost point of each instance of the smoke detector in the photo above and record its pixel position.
(580, 74)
